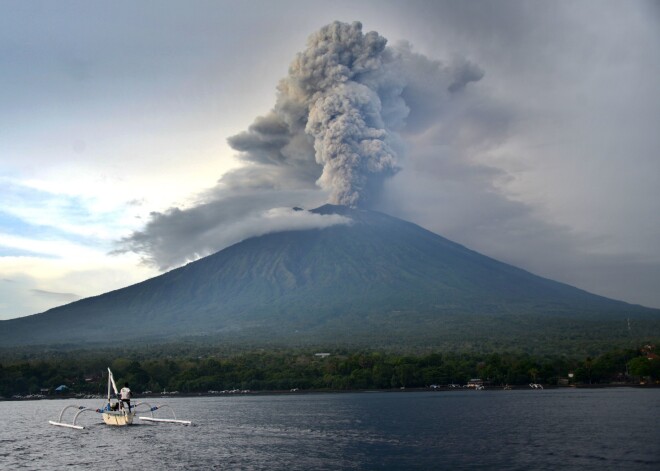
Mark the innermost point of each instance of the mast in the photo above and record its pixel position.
(111, 381)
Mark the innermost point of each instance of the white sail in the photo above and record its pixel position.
(111, 380)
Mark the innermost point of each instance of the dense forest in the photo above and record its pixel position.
(84, 372)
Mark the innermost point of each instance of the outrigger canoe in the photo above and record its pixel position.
(115, 412)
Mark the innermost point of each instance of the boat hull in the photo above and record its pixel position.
(119, 419)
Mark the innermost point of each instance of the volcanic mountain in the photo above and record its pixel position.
(375, 281)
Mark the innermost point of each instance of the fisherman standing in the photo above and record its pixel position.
(125, 395)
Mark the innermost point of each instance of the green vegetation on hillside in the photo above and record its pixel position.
(84, 372)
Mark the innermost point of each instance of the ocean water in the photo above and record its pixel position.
(581, 429)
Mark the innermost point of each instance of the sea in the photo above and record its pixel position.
(550, 429)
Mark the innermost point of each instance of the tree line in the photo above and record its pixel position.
(284, 370)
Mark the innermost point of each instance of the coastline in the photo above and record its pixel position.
(38, 397)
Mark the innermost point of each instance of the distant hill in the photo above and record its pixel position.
(378, 282)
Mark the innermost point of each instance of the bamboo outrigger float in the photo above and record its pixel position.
(116, 413)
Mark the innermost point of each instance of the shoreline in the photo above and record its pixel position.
(38, 397)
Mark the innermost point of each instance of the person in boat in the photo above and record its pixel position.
(125, 396)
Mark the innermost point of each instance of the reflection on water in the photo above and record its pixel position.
(573, 429)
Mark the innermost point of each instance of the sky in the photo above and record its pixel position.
(139, 136)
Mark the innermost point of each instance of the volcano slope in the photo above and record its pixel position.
(376, 282)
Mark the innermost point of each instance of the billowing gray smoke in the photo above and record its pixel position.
(339, 122)
(342, 95)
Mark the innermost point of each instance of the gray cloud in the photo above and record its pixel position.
(332, 135)
(338, 111)
(265, 141)
(55, 297)
(328, 111)
(536, 145)
(241, 217)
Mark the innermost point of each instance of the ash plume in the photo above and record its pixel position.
(339, 123)
(341, 103)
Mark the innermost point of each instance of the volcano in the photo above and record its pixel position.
(377, 281)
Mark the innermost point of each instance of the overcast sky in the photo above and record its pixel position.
(529, 132)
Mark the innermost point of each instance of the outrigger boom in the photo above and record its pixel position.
(81, 409)
(116, 413)
(174, 421)
(59, 424)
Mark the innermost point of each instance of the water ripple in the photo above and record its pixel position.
(588, 429)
